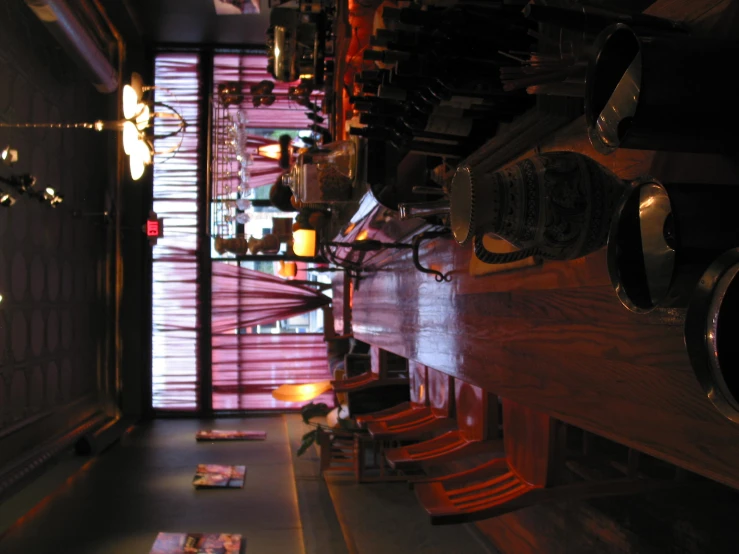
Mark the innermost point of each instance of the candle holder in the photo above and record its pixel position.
(305, 244)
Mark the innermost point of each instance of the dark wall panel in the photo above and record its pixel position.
(196, 22)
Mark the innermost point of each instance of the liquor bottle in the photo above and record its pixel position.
(594, 18)
(417, 97)
(443, 44)
(428, 148)
(468, 133)
(367, 76)
(401, 126)
(388, 56)
(462, 22)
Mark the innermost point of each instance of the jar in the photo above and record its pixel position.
(324, 174)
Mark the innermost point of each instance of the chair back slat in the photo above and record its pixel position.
(418, 382)
(384, 363)
(441, 392)
(473, 411)
(528, 438)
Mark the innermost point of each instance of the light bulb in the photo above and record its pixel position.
(130, 137)
(142, 119)
(130, 102)
(140, 158)
(137, 167)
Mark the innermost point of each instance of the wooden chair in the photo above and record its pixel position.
(386, 369)
(424, 423)
(418, 381)
(477, 432)
(343, 451)
(522, 478)
(337, 451)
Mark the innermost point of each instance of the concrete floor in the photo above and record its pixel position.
(120, 501)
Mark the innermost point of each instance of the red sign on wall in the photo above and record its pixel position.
(153, 228)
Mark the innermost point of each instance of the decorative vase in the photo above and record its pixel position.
(556, 205)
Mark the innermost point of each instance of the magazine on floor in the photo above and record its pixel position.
(208, 476)
(197, 543)
(224, 435)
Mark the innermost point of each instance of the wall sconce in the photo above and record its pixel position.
(139, 117)
(9, 156)
(48, 195)
(6, 200)
(26, 184)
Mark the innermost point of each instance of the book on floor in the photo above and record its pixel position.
(212, 476)
(197, 543)
(224, 435)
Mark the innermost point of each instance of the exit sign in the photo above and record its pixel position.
(153, 228)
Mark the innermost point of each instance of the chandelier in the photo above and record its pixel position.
(142, 115)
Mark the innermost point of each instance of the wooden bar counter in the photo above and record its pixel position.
(555, 337)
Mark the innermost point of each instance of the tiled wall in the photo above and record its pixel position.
(51, 313)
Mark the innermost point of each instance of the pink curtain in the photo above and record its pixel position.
(248, 367)
(244, 297)
(175, 371)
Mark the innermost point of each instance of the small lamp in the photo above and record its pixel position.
(271, 151)
(287, 269)
(304, 243)
(300, 393)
